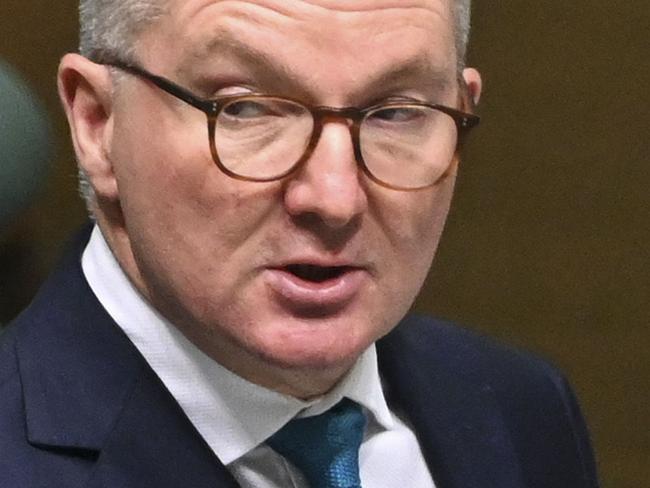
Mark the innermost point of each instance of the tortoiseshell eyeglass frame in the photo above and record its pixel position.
(212, 108)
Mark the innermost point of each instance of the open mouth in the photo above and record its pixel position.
(311, 290)
(316, 274)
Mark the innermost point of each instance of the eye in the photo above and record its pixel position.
(246, 109)
(396, 114)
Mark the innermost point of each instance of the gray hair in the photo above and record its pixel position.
(113, 26)
(462, 21)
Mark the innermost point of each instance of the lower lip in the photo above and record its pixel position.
(311, 297)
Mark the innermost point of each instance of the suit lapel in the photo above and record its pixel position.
(87, 391)
(154, 444)
(452, 409)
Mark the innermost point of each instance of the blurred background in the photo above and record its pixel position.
(547, 243)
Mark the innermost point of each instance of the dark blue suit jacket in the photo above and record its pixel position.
(79, 406)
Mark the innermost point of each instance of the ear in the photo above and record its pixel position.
(474, 84)
(85, 89)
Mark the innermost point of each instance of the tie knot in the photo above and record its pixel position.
(325, 448)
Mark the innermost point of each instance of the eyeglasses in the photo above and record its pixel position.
(258, 137)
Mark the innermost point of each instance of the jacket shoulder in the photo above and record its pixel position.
(434, 359)
(449, 345)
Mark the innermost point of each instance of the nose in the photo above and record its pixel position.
(328, 187)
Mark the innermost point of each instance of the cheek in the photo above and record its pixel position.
(173, 184)
(199, 262)
(416, 219)
(189, 225)
(414, 223)
(199, 229)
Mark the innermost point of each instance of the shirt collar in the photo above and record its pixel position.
(232, 414)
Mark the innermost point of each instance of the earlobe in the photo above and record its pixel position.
(85, 92)
(474, 84)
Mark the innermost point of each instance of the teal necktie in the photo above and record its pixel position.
(325, 448)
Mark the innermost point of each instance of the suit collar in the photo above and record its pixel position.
(86, 389)
(456, 416)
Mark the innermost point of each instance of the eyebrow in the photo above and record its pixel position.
(240, 51)
(415, 68)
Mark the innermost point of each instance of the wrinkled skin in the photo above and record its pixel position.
(210, 252)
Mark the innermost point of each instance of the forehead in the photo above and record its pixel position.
(307, 37)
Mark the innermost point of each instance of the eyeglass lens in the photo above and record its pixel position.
(407, 146)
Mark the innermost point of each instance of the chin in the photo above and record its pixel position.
(322, 345)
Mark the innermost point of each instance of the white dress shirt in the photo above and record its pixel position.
(234, 416)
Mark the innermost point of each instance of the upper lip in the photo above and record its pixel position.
(318, 262)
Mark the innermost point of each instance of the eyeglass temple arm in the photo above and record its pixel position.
(464, 121)
(207, 106)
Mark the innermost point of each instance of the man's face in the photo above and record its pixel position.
(301, 274)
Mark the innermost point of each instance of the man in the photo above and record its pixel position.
(231, 320)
